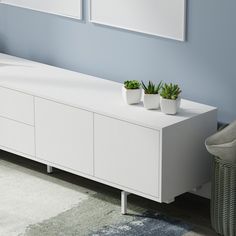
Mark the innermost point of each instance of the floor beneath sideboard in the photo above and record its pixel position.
(189, 214)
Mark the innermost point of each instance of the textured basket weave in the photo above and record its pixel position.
(223, 202)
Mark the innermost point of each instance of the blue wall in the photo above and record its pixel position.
(205, 65)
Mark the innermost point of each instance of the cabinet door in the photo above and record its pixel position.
(17, 106)
(126, 154)
(64, 135)
(17, 136)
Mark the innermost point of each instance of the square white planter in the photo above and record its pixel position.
(151, 101)
(132, 96)
(169, 106)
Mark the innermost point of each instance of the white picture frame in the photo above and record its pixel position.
(66, 8)
(164, 18)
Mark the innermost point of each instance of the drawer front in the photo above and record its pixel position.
(64, 135)
(17, 136)
(16, 106)
(127, 155)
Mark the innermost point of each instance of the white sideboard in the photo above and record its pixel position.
(80, 124)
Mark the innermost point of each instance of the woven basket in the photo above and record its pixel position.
(223, 202)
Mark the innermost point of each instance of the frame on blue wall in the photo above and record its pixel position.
(164, 18)
(66, 8)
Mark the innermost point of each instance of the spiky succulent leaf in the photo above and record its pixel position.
(151, 88)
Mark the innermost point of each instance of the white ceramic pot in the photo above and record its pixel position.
(169, 106)
(151, 101)
(132, 96)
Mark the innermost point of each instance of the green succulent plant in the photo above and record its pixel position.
(151, 88)
(170, 91)
(132, 84)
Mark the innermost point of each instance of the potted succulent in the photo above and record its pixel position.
(132, 92)
(151, 99)
(170, 99)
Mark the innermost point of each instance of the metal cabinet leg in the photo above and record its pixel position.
(49, 169)
(124, 202)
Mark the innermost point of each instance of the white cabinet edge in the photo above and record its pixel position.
(134, 122)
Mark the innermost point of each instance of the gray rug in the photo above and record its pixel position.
(36, 204)
(100, 215)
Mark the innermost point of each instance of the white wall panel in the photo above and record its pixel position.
(69, 8)
(164, 18)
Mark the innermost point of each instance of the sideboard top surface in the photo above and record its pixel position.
(86, 92)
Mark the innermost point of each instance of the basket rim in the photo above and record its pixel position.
(225, 163)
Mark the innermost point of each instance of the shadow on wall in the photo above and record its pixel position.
(2, 43)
